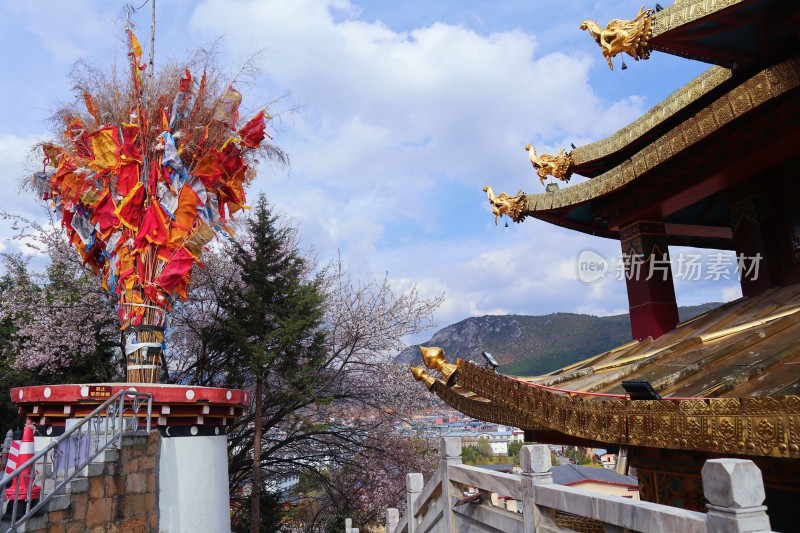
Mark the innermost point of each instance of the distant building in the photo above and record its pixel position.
(596, 479)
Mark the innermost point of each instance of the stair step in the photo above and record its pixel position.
(91, 470)
(78, 485)
(34, 523)
(59, 503)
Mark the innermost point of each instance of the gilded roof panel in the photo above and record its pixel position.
(767, 84)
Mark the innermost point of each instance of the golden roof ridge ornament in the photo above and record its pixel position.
(629, 36)
(420, 374)
(550, 165)
(506, 205)
(434, 359)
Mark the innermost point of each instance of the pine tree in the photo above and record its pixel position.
(272, 331)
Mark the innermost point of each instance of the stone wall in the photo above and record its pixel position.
(118, 496)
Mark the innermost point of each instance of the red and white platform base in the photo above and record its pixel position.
(193, 455)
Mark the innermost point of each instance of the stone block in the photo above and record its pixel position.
(76, 527)
(450, 447)
(150, 502)
(133, 505)
(79, 504)
(535, 458)
(134, 525)
(56, 528)
(147, 462)
(99, 512)
(151, 481)
(733, 483)
(97, 487)
(59, 503)
(136, 483)
(115, 485)
(92, 469)
(109, 455)
(414, 482)
(129, 465)
(78, 485)
(59, 517)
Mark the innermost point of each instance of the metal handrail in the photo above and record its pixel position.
(78, 440)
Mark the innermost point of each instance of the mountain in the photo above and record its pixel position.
(533, 345)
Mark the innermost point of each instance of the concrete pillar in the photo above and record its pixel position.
(392, 519)
(648, 276)
(450, 453)
(735, 491)
(414, 484)
(535, 463)
(348, 525)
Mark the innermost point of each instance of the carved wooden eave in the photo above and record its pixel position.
(768, 84)
(725, 32)
(587, 157)
(746, 426)
(739, 365)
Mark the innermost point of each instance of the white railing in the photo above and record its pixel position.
(733, 487)
(51, 469)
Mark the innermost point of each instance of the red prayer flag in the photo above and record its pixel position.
(103, 212)
(153, 228)
(178, 266)
(254, 132)
(130, 211)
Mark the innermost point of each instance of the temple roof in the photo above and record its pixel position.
(703, 138)
(726, 32)
(733, 123)
(729, 379)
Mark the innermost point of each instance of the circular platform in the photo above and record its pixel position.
(202, 408)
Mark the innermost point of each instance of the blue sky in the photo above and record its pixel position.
(407, 109)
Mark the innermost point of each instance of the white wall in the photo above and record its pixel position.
(193, 485)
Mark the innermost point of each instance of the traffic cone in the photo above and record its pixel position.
(25, 453)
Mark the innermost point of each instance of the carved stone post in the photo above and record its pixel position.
(6, 450)
(348, 525)
(392, 519)
(735, 491)
(450, 452)
(535, 463)
(414, 484)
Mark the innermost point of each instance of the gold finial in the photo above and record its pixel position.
(553, 165)
(420, 374)
(506, 205)
(629, 36)
(434, 359)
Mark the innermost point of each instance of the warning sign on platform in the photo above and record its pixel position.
(99, 391)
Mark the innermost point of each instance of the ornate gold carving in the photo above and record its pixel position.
(679, 99)
(767, 84)
(434, 359)
(552, 165)
(629, 36)
(749, 426)
(686, 11)
(506, 205)
(420, 374)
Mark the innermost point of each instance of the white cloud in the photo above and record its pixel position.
(401, 131)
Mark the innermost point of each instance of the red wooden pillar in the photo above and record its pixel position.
(755, 239)
(651, 294)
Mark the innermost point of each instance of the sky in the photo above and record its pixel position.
(395, 115)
